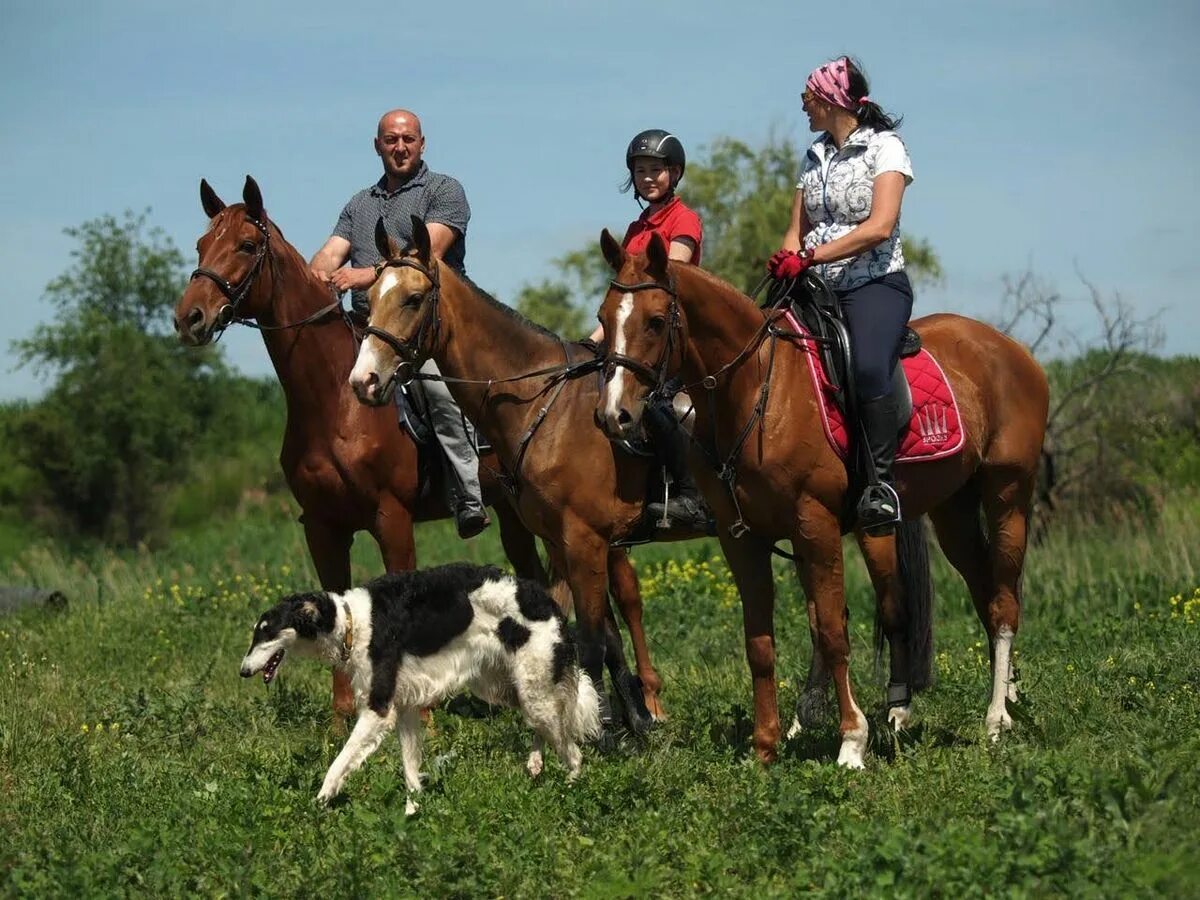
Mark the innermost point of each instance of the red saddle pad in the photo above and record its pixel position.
(935, 430)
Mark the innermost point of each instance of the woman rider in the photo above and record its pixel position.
(846, 223)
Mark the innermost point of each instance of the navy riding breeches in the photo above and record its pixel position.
(875, 314)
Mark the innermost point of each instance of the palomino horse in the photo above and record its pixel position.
(784, 481)
(522, 386)
(350, 467)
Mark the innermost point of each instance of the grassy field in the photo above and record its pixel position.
(133, 759)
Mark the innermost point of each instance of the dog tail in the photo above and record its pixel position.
(580, 706)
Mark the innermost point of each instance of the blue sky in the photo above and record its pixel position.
(1058, 138)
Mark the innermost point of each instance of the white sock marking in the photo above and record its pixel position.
(854, 742)
(998, 718)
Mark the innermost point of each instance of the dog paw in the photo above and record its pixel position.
(534, 764)
(410, 807)
(325, 797)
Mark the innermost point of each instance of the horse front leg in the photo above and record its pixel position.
(623, 585)
(329, 547)
(749, 560)
(393, 532)
(585, 557)
(819, 545)
(520, 546)
(891, 622)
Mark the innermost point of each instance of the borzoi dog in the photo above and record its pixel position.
(412, 639)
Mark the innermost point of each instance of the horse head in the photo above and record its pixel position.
(402, 326)
(232, 253)
(643, 331)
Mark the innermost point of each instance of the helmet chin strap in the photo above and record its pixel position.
(643, 202)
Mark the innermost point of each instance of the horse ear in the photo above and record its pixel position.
(383, 240)
(209, 200)
(613, 252)
(421, 240)
(657, 256)
(252, 197)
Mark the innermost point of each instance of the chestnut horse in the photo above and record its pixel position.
(784, 481)
(533, 396)
(350, 467)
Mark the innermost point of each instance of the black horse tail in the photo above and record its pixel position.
(916, 585)
(1047, 483)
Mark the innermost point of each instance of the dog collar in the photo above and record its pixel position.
(348, 635)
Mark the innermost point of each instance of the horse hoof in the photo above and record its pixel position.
(812, 707)
(898, 717)
(998, 724)
(632, 702)
(608, 739)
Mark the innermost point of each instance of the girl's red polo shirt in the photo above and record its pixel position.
(675, 220)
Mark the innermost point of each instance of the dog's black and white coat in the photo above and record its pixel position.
(412, 639)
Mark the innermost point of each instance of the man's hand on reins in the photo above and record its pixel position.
(348, 279)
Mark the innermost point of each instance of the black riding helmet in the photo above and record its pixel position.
(657, 144)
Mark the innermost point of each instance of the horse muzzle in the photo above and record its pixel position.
(619, 419)
(194, 328)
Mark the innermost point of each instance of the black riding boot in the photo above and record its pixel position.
(879, 506)
(685, 508)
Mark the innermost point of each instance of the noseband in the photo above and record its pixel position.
(409, 350)
(235, 295)
(656, 374)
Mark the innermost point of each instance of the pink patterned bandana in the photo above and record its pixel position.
(831, 83)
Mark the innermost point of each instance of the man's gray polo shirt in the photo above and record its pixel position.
(429, 196)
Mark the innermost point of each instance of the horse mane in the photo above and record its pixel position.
(504, 308)
(727, 290)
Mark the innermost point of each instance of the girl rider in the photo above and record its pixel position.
(655, 160)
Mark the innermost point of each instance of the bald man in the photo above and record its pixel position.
(347, 261)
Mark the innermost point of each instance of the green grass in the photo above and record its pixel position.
(133, 759)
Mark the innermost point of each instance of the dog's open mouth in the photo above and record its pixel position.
(272, 666)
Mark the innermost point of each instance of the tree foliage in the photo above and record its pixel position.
(127, 399)
(744, 197)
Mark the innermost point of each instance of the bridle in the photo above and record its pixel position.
(410, 350)
(228, 314)
(656, 375)
(235, 295)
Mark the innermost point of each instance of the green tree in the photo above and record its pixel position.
(744, 195)
(128, 399)
(550, 304)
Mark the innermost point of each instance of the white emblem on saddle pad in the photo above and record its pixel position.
(931, 422)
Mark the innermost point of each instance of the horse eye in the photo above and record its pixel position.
(656, 324)
(414, 299)
(246, 246)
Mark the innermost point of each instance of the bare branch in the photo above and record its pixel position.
(1092, 363)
